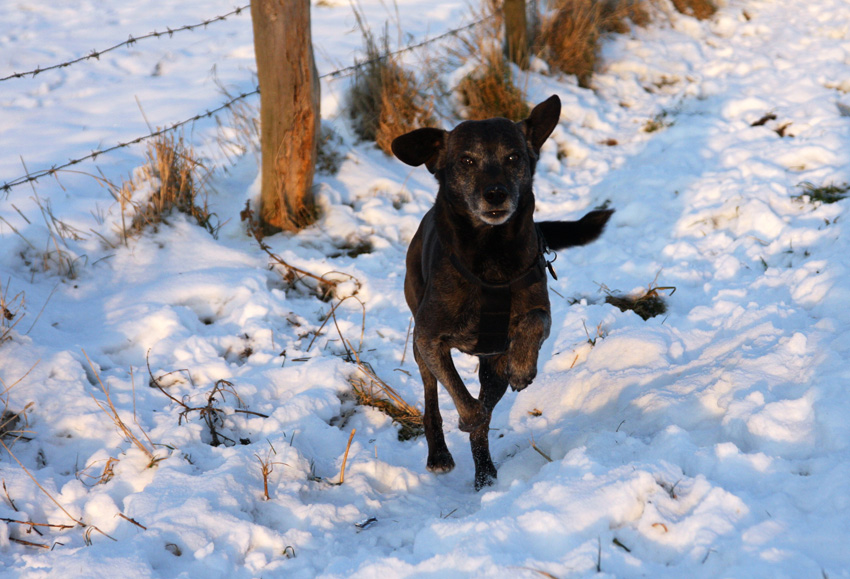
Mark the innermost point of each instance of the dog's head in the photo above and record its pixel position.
(483, 167)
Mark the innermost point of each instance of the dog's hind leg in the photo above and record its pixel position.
(493, 387)
(439, 458)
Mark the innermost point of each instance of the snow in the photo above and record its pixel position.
(709, 441)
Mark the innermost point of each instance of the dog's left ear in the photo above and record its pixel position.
(420, 146)
(541, 122)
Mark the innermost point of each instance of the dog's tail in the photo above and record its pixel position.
(563, 234)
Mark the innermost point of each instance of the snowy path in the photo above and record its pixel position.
(709, 441)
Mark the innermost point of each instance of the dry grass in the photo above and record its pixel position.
(370, 390)
(108, 407)
(78, 522)
(384, 100)
(489, 90)
(57, 254)
(699, 9)
(12, 423)
(267, 468)
(647, 304)
(10, 311)
(211, 413)
(345, 457)
(328, 156)
(618, 13)
(829, 193)
(570, 34)
(172, 179)
(323, 286)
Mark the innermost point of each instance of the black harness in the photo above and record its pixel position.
(496, 298)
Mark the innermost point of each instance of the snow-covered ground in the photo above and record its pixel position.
(711, 441)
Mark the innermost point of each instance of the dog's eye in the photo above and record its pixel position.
(467, 161)
(513, 158)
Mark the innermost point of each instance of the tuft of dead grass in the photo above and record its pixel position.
(646, 304)
(370, 390)
(616, 15)
(570, 34)
(172, 179)
(384, 100)
(699, 9)
(267, 468)
(828, 193)
(489, 90)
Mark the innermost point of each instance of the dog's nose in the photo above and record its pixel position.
(495, 194)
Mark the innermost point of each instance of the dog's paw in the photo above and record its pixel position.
(485, 479)
(519, 386)
(474, 417)
(440, 463)
(522, 381)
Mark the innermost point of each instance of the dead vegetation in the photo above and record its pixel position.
(32, 526)
(699, 9)
(241, 133)
(267, 468)
(368, 388)
(384, 99)
(571, 31)
(172, 179)
(108, 408)
(828, 193)
(211, 413)
(57, 255)
(325, 287)
(10, 311)
(489, 90)
(647, 304)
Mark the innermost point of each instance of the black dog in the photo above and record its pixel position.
(476, 268)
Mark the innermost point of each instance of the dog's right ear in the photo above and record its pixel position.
(420, 146)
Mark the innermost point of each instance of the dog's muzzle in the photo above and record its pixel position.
(497, 207)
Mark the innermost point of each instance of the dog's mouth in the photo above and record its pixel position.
(496, 216)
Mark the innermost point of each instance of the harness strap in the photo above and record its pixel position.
(495, 316)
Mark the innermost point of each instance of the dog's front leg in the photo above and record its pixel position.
(436, 356)
(439, 458)
(526, 339)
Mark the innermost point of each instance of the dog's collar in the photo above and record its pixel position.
(534, 273)
(495, 317)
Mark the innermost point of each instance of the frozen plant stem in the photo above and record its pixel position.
(113, 414)
(53, 500)
(345, 456)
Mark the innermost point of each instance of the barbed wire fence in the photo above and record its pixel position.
(34, 176)
(96, 54)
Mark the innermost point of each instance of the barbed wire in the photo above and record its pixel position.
(96, 54)
(36, 175)
(356, 65)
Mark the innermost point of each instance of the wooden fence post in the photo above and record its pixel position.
(289, 111)
(516, 32)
